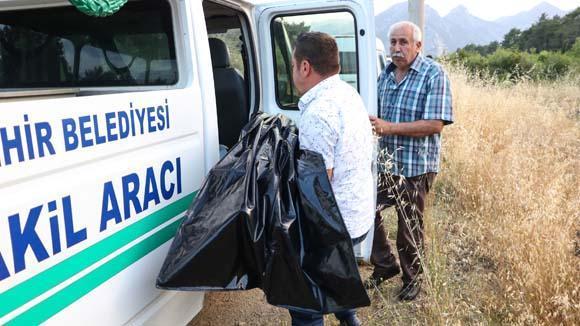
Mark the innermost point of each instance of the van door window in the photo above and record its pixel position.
(62, 47)
(285, 30)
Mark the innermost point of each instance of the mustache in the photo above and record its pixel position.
(397, 55)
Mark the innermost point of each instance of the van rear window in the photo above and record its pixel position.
(62, 47)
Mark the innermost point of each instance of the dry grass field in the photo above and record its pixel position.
(503, 227)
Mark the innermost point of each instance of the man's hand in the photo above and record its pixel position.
(419, 128)
(380, 126)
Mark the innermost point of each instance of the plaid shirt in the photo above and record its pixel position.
(424, 94)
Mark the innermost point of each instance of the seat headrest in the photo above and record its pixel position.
(220, 56)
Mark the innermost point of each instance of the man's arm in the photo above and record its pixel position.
(318, 133)
(437, 112)
(419, 128)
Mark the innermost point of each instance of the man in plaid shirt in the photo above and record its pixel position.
(414, 100)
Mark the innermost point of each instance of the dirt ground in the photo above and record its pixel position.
(250, 307)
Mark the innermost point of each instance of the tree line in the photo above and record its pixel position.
(549, 49)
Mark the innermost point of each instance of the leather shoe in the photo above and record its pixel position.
(377, 278)
(409, 291)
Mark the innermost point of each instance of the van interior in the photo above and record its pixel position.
(231, 70)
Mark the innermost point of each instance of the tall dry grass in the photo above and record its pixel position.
(510, 179)
(503, 226)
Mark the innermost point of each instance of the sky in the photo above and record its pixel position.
(486, 9)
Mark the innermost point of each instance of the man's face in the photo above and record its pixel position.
(403, 47)
(298, 76)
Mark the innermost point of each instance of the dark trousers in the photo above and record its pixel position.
(305, 319)
(310, 319)
(408, 196)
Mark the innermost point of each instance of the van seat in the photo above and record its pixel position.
(230, 93)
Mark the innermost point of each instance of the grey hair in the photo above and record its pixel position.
(417, 35)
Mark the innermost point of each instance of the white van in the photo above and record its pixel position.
(382, 59)
(108, 127)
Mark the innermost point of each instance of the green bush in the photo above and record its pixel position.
(552, 65)
(575, 50)
(512, 65)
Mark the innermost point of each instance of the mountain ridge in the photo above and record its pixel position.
(459, 27)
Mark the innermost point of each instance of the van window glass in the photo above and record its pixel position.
(382, 63)
(62, 47)
(233, 39)
(285, 30)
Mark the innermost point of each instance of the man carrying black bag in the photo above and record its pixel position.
(269, 216)
(335, 124)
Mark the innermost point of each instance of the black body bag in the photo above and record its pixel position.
(266, 217)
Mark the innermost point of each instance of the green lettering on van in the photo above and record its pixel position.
(65, 297)
(28, 290)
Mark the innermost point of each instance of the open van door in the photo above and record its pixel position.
(350, 22)
(279, 23)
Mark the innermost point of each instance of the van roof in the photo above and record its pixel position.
(243, 3)
(54, 2)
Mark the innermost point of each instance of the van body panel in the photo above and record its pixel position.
(200, 57)
(74, 247)
(89, 188)
(95, 180)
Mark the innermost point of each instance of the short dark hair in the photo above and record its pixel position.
(320, 50)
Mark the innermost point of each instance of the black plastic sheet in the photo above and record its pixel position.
(266, 217)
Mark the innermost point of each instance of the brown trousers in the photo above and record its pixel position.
(408, 196)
